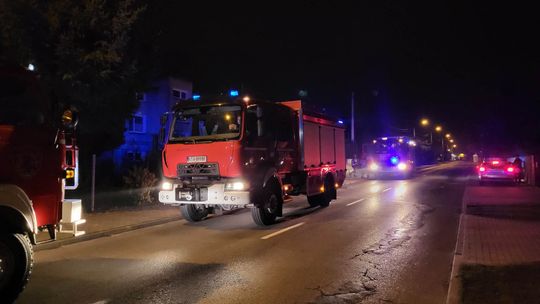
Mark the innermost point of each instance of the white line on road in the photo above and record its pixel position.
(355, 202)
(281, 231)
(387, 189)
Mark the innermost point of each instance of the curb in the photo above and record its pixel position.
(454, 286)
(352, 181)
(95, 235)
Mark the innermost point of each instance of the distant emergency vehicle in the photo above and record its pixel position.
(389, 157)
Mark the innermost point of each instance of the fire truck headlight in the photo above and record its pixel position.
(373, 167)
(166, 186)
(236, 186)
(402, 166)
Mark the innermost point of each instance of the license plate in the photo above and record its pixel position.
(196, 159)
(192, 195)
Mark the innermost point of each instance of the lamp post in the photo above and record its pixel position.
(439, 129)
(424, 122)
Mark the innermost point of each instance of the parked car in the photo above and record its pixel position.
(497, 169)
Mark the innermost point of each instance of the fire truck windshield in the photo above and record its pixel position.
(387, 146)
(207, 123)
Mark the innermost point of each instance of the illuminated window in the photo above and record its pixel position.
(133, 155)
(136, 123)
(140, 96)
(179, 94)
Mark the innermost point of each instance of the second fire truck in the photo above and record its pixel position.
(225, 154)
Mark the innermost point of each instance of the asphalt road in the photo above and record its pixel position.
(387, 241)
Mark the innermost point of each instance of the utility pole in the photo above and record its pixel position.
(352, 117)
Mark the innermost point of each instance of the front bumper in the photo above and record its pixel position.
(216, 196)
(387, 173)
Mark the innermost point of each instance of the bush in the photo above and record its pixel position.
(142, 184)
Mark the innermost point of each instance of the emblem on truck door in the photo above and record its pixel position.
(196, 159)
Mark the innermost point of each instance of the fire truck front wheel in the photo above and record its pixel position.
(194, 213)
(16, 262)
(265, 214)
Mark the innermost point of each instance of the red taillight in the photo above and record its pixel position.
(482, 169)
(510, 169)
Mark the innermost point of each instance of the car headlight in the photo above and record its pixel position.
(236, 186)
(373, 167)
(402, 166)
(166, 186)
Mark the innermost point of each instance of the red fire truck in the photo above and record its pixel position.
(37, 158)
(226, 154)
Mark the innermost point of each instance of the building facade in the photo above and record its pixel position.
(141, 136)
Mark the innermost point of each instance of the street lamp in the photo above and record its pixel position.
(438, 128)
(454, 146)
(424, 122)
(451, 140)
(448, 135)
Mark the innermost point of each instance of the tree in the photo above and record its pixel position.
(85, 56)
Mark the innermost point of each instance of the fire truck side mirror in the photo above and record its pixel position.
(161, 135)
(163, 119)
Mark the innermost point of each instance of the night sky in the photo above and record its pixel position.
(473, 68)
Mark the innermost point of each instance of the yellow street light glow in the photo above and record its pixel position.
(438, 128)
(451, 140)
(227, 117)
(455, 146)
(448, 135)
(424, 122)
(246, 99)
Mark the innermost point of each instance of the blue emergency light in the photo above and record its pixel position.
(196, 97)
(233, 93)
(394, 160)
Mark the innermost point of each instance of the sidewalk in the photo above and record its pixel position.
(101, 224)
(499, 234)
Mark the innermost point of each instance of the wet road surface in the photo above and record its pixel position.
(385, 241)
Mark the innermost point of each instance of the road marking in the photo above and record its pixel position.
(281, 231)
(387, 189)
(355, 202)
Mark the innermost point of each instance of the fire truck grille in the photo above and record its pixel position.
(198, 169)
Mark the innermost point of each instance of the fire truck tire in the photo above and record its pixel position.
(329, 192)
(315, 200)
(194, 213)
(16, 262)
(323, 199)
(266, 214)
